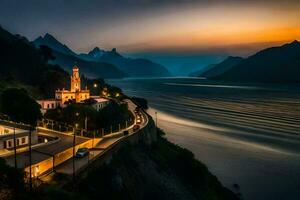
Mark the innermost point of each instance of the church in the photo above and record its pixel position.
(76, 93)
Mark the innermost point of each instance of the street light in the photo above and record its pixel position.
(74, 143)
(156, 118)
(156, 122)
(15, 148)
(30, 161)
(74, 140)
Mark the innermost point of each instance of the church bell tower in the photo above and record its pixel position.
(75, 80)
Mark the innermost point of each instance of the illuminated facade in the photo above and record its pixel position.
(62, 95)
(76, 93)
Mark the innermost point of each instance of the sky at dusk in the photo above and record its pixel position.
(157, 26)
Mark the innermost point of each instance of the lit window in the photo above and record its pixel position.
(9, 143)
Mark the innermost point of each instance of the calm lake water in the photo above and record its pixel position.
(245, 134)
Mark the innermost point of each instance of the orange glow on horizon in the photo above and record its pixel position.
(205, 28)
(217, 38)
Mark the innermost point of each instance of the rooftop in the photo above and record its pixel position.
(7, 130)
(99, 99)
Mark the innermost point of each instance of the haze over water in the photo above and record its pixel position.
(245, 134)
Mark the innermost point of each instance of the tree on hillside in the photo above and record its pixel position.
(113, 114)
(94, 85)
(51, 79)
(141, 102)
(74, 114)
(19, 106)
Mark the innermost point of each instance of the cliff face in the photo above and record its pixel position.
(144, 167)
(161, 170)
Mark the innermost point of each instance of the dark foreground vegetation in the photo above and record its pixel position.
(143, 103)
(160, 171)
(19, 106)
(109, 118)
(163, 171)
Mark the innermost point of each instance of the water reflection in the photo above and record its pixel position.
(245, 134)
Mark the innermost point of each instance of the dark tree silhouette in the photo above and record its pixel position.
(19, 106)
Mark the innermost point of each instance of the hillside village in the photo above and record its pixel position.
(76, 94)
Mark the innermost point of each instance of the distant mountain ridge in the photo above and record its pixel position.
(111, 60)
(272, 65)
(53, 43)
(66, 58)
(23, 65)
(222, 67)
(199, 73)
(136, 67)
(88, 68)
(93, 55)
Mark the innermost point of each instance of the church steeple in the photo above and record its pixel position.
(75, 80)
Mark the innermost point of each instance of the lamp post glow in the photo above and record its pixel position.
(15, 148)
(156, 118)
(156, 122)
(74, 143)
(30, 162)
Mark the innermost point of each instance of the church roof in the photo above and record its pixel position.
(75, 67)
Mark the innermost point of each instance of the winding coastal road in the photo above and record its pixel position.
(101, 146)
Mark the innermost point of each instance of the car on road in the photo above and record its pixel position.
(82, 152)
(137, 110)
(136, 127)
(125, 132)
(138, 120)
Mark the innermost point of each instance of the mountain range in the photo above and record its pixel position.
(98, 62)
(218, 69)
(272, 65)
(21, 61)
(199, 73)
(23, 65)
(138, 67)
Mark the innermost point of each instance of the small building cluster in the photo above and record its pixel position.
(7, 140)
(76, 94)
